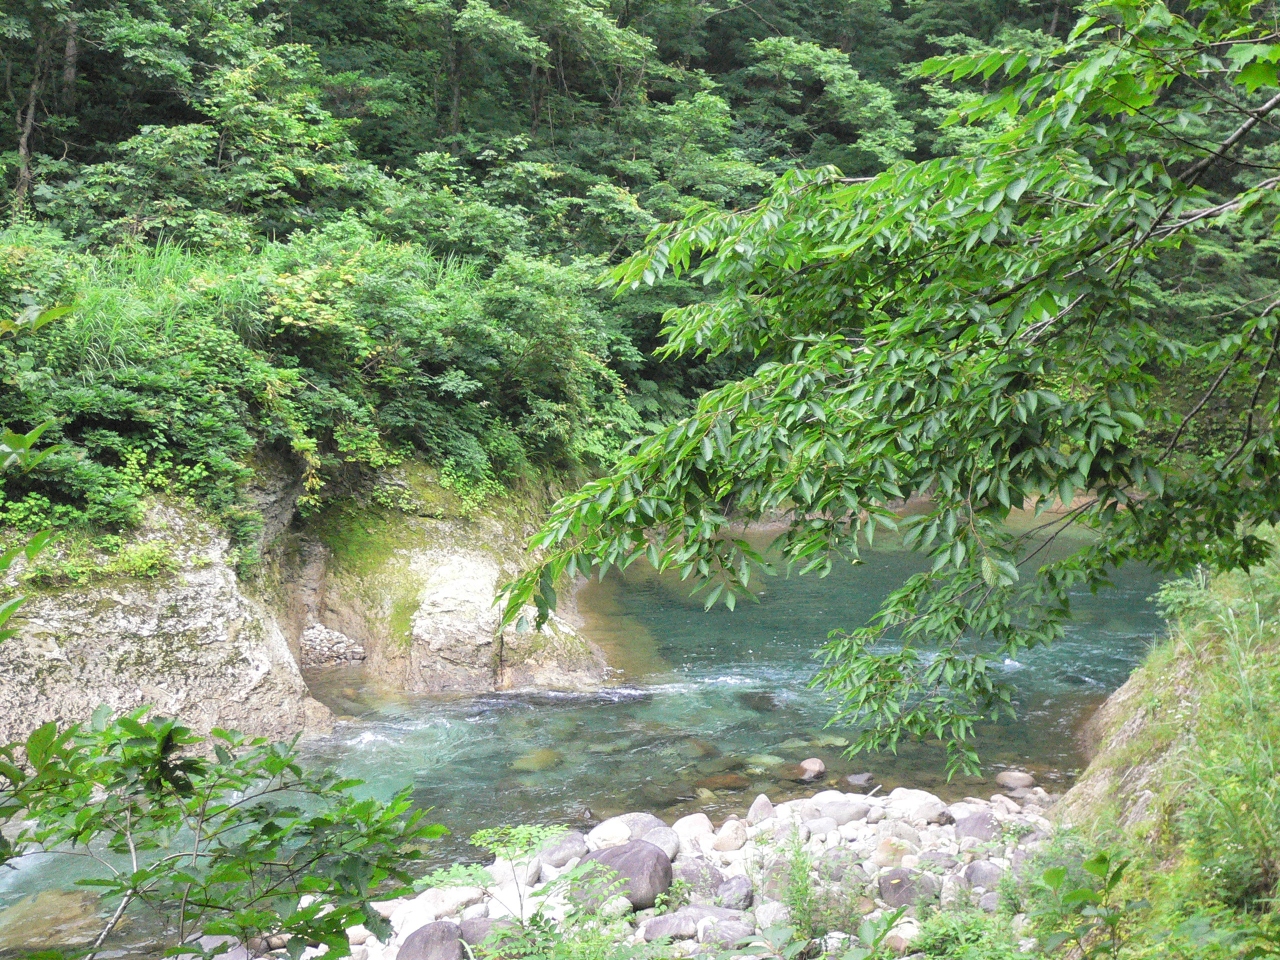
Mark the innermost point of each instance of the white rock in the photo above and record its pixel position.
(851, 831)
(917, 805)
(664, 838)
(474, 911)
(506, 871)
(732, 836)
(614, 832)
(761, 810)
(615, 907)
(358, 934)
(694, 825)
(875, 815)
(828, 796)
(772, 914)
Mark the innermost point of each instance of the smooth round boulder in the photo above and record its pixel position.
(613, 832)
(761, 809)
(906, 888)
(441, 940)
(732, 836)
(736, 893)
(644, 869)
(702, 878)
(980, 826)
(642, 824)
(983, 873)
(724, 933)
(665, 839)
(694, 825)
(671, 926)
(844, 810)
(558, 851)
(1015, 780)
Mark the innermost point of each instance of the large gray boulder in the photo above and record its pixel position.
(644, 869)
(983, 873)
(908, 888)
(558, 851)
(736, 893)
(671, 926)
(702, 877)
(441, 940)
(981, 826)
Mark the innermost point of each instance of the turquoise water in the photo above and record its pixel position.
(708, 708)
(705, 711)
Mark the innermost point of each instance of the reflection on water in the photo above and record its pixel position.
(709, 708)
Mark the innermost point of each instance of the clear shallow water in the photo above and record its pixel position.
(698, 696)
(709, 708)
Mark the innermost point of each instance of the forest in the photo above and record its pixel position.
(356, 232)
(699, 263)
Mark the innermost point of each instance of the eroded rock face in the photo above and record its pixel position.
(188, 641)
(416, 591)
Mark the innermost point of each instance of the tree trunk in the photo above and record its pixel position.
(70, 63)
(26, 125)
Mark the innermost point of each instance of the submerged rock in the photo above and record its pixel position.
(538, 760)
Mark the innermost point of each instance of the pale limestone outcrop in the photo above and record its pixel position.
(187, 641)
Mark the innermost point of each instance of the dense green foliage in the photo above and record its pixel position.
(340, 234)
(972, 331)
(243, 843)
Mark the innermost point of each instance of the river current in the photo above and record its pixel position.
(707, 709)
(704, 711)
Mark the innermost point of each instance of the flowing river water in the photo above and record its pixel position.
(710, 708)
(706, 709)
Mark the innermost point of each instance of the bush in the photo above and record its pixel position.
(964, 935)
(337, 349)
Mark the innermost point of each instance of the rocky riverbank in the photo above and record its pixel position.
(172, 617)
(703, 888)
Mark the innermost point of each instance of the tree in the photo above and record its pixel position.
(966, 330)
(240, 842)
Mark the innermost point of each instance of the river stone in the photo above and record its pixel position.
(441, 940)
(692, 826)
(671, 926)
(665, 839)
(983, 873)
(906, 888)
(736, 893)
(861, 781)
(642, 824)
(560, 850)
(1015, 779)
(701, 876)
(772, 914)
(726, 933)
(644, 868)
(723, 781)
(844, 810)
(821, 826)
(614, 832)
(980, 826)
(890, 851)
(732, 836)
(477, 929)
(813, 768)
(989, 902)
(538, 760)
(761, 809)
(938, 859)
(917, 805)
(841, 865)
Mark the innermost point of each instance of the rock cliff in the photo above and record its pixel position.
(182, 636)
(408, 587)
